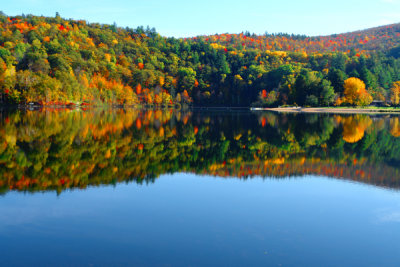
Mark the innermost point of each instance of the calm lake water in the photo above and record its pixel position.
(164, 188)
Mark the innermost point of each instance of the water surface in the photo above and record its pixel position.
(156, 188)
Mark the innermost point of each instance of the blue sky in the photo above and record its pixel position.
(183, 18)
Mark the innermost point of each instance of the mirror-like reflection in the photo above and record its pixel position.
(58, 150)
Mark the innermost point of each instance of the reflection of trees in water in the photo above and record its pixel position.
(395, 127)
(354, 127)
(49, 150)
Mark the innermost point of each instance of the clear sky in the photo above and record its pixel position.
(183, 18)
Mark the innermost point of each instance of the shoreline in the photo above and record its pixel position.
(321, 110)
(331, 110)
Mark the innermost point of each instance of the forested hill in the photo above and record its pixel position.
(54, 61)
(360, 42)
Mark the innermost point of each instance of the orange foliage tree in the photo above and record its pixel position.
(138, 89)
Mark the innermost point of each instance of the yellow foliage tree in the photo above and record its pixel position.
(107, 57)
(161, 81)
(110, 89)
(166, 98)
(395, 93)
(355, 93)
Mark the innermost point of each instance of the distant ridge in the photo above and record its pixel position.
(379, 38)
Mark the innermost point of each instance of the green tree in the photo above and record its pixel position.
(187, 78)
(327, 93)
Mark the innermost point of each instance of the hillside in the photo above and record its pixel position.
(54, 61)
(360, 42)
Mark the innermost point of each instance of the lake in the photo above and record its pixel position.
(198, 188)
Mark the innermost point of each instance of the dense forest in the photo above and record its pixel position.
(59, 150)
(55, 61)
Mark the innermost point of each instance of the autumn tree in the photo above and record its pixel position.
(395, 93)
(185, 97)
(267, 99)
(355, 92)
(138, 89)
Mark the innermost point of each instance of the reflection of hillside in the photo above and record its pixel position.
(378, 175)
(48, 150)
